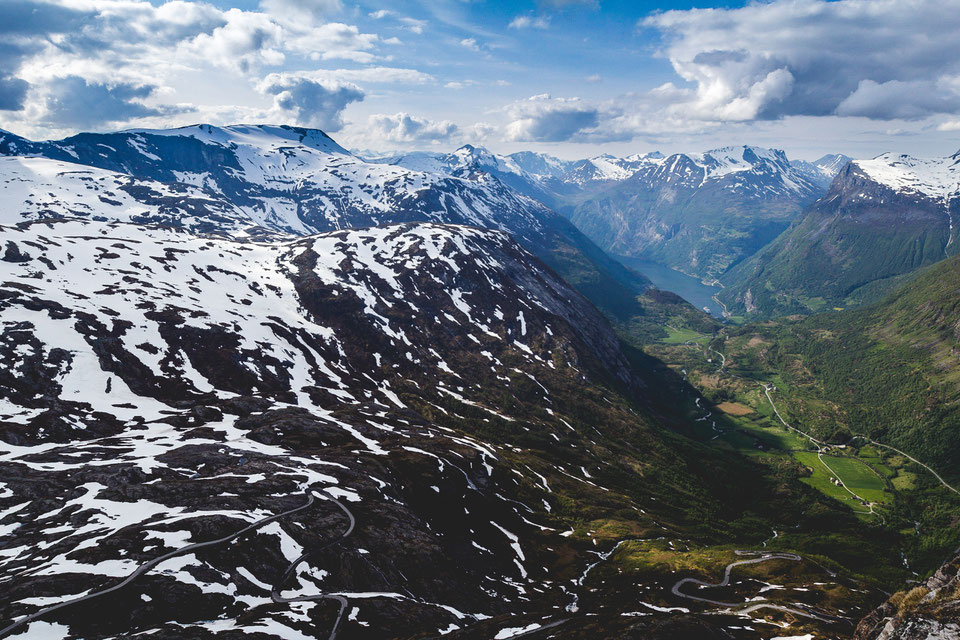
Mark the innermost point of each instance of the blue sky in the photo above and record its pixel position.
(569, 77)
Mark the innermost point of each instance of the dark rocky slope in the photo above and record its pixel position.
(468, 409)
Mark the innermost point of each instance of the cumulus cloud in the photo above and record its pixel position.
(245, 41)
(72, 101)
(333, 40)
(312, 103)
(404, 128)
(131, 55)
(543, 118)
(470, 43)
(882, 59)
(480, 131)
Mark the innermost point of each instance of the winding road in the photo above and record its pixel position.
(912, 459)
(275, 593)
(820, 445)
(150, 564)
(763, 557)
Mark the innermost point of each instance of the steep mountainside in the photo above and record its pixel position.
(881, 219)
(699, 214)
(896, 360)
(299, 181)
(396, 432)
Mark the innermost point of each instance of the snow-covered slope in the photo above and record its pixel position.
(541, 165)
(298, 181)
(160, 389)
(475, 162)
(754, 170)
(605, 169)
(930, 177)
(32, 188)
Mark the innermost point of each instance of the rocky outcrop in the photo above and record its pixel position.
(929, 611)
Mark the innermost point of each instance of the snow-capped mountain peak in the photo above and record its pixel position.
(264, 136)
(719, 162)
(931, 177)
(541, 165)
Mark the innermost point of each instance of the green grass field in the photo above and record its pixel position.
(679, 336)
(856, 475)
(820, 480)
(860, 478)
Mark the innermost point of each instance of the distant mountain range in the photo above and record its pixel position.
(880, 220)
(781, 235)
(696, 213)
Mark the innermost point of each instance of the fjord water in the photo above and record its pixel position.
(689, 288)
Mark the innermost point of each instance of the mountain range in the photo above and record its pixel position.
(696, 213)
(254, 384)
(265, 179)
(881, 220)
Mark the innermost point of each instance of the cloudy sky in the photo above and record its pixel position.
(569, 77)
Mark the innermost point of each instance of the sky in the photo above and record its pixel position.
(573, 78)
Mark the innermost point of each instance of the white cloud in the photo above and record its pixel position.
(595, 78)
(414, 25)
(460, 84)
(543, 118)
(332, 41)
(470, 43)
(884, 59)
(529, 21)
(371, 75)
(246, 41)
(313, 103)
(480, 131)
(122, 59)
(404, 128)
